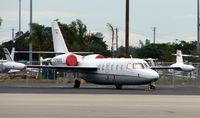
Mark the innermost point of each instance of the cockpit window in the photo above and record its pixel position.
(146, 65)
(130, 66)
(138, 66)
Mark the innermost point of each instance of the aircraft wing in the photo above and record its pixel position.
(164, 67)
(47, 52)
(64, 67)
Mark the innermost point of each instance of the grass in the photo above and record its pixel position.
(178, 82)
(59, 80)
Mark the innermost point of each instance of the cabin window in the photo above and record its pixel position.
(117, 67)
(99, 67)
(146, 65)
(138, 66)
(130, 66)
(102, 67)
(107, 67)
(111, 67)
(121, 67)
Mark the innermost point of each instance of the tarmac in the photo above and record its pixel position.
(48, 100)
(61, 88)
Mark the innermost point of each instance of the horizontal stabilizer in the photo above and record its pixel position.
(164, 67)
(46, 52)
(186, 55)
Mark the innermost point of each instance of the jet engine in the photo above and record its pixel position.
(65, 59)
(71, 60)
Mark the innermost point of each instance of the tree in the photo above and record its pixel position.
(74, 35)
(147, 42)
(96, 44)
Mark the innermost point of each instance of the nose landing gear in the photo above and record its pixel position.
(118, 86)
(152, 87)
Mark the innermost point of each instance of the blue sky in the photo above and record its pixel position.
(174, 19)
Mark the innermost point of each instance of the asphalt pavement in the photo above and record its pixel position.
(60, 88)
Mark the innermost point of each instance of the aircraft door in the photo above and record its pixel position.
(110, 78)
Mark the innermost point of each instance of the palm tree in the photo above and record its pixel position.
(75, 35)
(38, 35)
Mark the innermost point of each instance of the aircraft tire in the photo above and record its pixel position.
(152, 87)
(118, 86)
(77, 84)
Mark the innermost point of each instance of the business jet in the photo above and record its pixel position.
(95, 68)
(9, 65)
(179, 65)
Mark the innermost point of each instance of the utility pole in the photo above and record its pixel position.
(117, 38)
(154, 35)
(113, 34)
(19, 16)
(13, 34)
(30, 42)
(127, 29)
(198, 27)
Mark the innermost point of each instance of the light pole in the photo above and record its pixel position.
(19, 16)
(30, 42)
(198, 28)
(127, 29)
(154, 35)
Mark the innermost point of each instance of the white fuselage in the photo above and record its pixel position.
(13, 65)
(119, 71)
(115, 71)
(183, 67)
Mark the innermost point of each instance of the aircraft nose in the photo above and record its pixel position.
(153, 74)
(21, 66)
(193, 68)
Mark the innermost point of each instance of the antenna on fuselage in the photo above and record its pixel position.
(131, 56)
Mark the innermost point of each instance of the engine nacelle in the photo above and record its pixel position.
(71, 60)
(65, 59)
(94, 56)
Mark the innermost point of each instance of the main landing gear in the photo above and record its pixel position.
(118, 86)
(77, 84)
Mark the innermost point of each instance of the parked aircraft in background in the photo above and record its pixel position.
(9, 65)
(179, 65)
(96, 69)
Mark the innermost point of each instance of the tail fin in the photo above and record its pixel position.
(179, 56)
(7, 54)
(13, 54)
(58, 40)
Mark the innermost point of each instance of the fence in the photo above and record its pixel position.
(174, 77)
